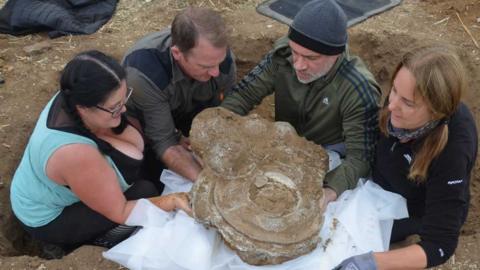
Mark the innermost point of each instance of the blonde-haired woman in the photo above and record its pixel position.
(426, 152)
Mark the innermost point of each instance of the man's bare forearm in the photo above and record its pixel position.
(182, 162)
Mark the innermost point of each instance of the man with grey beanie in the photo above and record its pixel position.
(328, 95)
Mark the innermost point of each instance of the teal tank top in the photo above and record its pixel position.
(35, 198)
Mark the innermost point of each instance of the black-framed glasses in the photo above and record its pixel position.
(118, 110)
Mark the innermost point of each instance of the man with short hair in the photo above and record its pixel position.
(328, 95)
(176, 74)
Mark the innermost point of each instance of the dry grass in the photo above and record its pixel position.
(129, 15)
(180, 4)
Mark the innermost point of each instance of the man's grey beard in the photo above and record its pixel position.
(317, 76)
(314, 77)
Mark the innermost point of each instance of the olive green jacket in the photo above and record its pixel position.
(340, 107)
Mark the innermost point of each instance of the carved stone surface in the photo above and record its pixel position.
(261, 185)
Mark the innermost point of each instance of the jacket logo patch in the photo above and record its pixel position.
(441, 252)
(408, 158)
(455, 182)
(326, 101)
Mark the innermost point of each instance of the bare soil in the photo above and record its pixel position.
(32, 78)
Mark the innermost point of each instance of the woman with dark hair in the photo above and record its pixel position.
(78, 180)
(426, 153)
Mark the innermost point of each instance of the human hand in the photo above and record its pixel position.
(198, 160)
(185, 142)
(170, 202)
(364, 261)
(182, 201)
(329, 196)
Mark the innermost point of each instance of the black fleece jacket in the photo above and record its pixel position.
(442, 200)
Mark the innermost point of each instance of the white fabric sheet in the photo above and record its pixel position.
(359, 221)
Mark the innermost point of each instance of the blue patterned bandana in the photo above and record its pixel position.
(411, 134)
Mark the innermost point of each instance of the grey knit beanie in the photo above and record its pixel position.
(320, 26)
